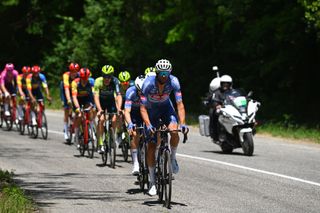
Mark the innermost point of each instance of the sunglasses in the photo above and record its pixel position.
(107, 76)
(125, 83)
(164, 73)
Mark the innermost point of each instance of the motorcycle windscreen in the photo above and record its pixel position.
(241, 103)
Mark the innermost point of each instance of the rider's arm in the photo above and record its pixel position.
(19, 83)
(96, 93)
(45, 85)
(65, 80)
(2, 82)
(74, 87)
(118, 94)
(178, 97)
(181, 112)
(29, 87)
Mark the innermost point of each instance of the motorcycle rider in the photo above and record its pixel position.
(217, 100)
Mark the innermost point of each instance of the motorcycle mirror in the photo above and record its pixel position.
(215, 68)
(250, 94)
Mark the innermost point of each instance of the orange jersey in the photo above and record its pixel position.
(22, 81)
(67, 78)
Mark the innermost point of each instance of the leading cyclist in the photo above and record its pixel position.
(156, 104)
(8, 85)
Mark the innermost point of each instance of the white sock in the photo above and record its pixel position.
(65, 126)
(20, 111)
(134, 156)
(173, 152)
(76, 135)
(6, 107)
(33, 116)
(152, 175)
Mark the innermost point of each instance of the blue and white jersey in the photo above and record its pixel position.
(132, 99)
(151, 96)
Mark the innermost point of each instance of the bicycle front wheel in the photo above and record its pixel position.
(167, 177)
(125, 147)
(112, 147)
(91, 141)
(44, 126)
(81, 140)
(159, 178)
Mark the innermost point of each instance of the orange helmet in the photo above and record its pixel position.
(84, 73)
(74, 67)
(36, 69)
(26, 69)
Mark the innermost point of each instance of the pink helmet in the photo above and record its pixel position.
(9, 67)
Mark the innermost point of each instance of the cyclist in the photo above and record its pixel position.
(65, 94)
(150, 71)
(8, 85)
(107, 97)
(22, 88)
(155, 105)
(125, 82)
(35, 81)
(133, 118)
(82, 95)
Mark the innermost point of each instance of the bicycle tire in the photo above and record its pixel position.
(125, 148)
(159, 177)
(167, 177)
(91, 142)
(8, 120)
(21, 127)
(104, 155)
(44, 126)
(112, 148)
(81, 141)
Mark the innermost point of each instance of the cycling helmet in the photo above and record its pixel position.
(124, 76)
(139, 82)
(35, 69)
(226, 79)
(74, 67)
(107, 70)
(84, 73)
(26, 69)
(9, 67)
(149, 70)
(163, 65)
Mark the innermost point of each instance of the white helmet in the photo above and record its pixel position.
(226, 79)
(214, 85)
(163, 65)
(139, 82)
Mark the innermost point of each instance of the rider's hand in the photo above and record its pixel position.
(130, 128)
(99, 113)
(150, 129)
(69, 102)
(33, 100)
(6, 94)
(184, 128)
(23, 97)
(218, 107)
(49, 99)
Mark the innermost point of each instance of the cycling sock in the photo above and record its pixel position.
(173, 152)
(76, 131)
(6, 107)
(152, 175)
(100, 141)
(20, 111)
(134, 156)
(65, 127)
(33, 116)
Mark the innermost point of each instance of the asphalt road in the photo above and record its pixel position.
(282, 176)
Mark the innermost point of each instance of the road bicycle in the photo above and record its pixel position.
(70, 127)
(163, 167)
(23, 123)
(109, 141)
(41, 121)
(86, 133)
(125, 142)
(142, 159)
(11, 119)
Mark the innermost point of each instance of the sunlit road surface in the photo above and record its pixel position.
(282, 176)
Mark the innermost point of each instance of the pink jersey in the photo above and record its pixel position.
(8, 77)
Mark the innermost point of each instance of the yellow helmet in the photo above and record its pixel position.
(107, 70)
(149, 69)
(124, 76)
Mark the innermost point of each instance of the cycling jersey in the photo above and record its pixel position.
(22, 83)
(123, 90)
(81, 91)
(151, 96)
(107, 93)
(34, 83)
(9, 80)
(132, 102)
(67, 79)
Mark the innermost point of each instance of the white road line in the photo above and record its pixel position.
(250, 169)
(236, 166)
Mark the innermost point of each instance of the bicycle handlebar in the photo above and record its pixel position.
(185, 135)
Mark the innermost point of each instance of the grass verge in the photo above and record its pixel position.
(12, 198)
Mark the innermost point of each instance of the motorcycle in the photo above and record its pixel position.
(236, 122)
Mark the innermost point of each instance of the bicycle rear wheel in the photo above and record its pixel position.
(159, 177)
(167, 177)
(125, 147)
(81, 140)
(44, 126)
(91, 141)
(143, 168)
(104, 155)
(112, 147)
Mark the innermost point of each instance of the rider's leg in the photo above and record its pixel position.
(134, 152)
(6, 106)
(65, 122)
(100, 130)
(20, 110)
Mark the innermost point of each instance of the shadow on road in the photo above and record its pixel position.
(45, 193)
(221, 153)
(156, 202)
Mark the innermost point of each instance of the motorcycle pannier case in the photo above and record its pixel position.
(204, 122)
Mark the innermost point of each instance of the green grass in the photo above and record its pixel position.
(56, 102)
(12, 198)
